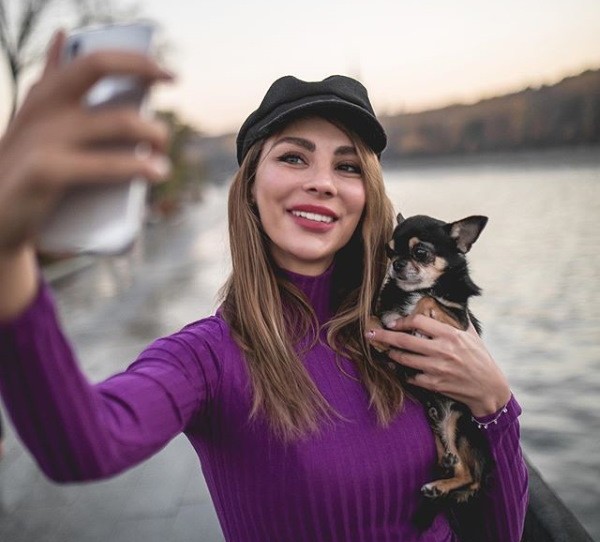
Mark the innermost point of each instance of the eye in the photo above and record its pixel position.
(350, 168)
(291, 158)
(420, 253)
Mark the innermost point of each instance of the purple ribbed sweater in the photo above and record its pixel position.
(353, 482)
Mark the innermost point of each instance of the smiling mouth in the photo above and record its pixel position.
(315, 217)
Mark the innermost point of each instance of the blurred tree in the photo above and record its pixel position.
(187, 175)
(17, 26)
(22, 20)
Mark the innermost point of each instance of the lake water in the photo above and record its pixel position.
(538, 262)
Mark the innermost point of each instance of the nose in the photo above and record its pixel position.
(322, 183)
(398, 265)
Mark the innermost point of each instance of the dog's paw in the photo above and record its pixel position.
(431, 491)
(463, 495)
(449, 460)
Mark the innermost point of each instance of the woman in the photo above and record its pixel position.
(300, 436)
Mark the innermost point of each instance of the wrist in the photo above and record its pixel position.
(18, 281)
(491, 405)
(499, 417)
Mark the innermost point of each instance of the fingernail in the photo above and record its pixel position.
(160, 165)
(391, 325)
(370, 334)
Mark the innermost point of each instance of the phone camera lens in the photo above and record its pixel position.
(74, 48)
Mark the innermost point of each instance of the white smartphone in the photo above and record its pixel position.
(105, 218)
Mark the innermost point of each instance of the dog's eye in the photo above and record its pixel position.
(420, 253)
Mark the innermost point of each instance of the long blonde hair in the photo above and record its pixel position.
(255, 294)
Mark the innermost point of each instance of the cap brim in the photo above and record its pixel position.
(359, 121)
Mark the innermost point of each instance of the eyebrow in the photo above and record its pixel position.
(311, 147)
(340, 151)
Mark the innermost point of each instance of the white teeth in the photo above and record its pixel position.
(313, 216)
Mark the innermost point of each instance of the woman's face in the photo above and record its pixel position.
(310, 194)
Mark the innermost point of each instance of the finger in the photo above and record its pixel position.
(405, 341)
(86, 70)
(423, 380)
(414, 361)
(54, 52)
(425, 325)
(124, 125)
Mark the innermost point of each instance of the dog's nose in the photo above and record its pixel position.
(398, 265)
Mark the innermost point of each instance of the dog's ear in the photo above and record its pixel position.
(466, 231)
(399, 218)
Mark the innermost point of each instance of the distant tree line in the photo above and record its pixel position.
(567, 113)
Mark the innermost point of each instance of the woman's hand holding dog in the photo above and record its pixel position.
(453, 362)
(52, 144)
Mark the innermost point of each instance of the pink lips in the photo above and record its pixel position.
(310, 223)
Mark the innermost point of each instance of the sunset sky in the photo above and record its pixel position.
(411, 54)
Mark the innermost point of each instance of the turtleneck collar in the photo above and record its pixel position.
(317, 289)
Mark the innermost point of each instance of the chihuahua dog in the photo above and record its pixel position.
(428, 275)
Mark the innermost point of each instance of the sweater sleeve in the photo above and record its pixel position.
(80, 431)
(498, 513)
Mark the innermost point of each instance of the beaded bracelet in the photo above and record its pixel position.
(485, 425)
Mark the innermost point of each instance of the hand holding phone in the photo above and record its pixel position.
(103, 218)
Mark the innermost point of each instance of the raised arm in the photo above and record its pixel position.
(50, 145)
(78, 431)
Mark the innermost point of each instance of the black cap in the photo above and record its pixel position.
(338, 97)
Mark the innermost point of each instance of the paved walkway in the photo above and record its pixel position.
(111, 308)
(165, 499)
